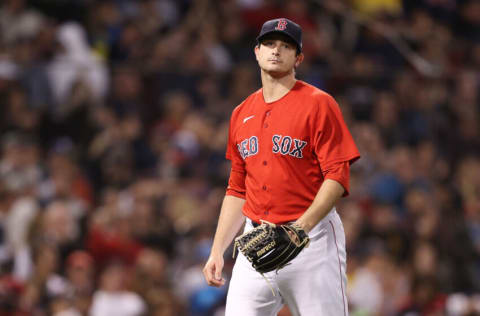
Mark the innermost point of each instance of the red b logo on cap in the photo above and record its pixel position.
(282, 25)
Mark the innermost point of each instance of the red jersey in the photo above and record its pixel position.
(280, 151)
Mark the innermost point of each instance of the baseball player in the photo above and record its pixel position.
(290, 153)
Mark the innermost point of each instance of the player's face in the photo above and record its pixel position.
(277, 55)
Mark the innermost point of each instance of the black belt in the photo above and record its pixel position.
(255, 224)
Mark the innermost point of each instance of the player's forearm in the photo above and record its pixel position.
(328, 194)
(229, 223)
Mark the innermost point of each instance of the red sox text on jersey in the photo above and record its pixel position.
(284, 145)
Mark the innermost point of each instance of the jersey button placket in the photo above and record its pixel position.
(264, 162)
(267, 114)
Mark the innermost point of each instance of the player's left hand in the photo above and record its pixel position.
(270, 247)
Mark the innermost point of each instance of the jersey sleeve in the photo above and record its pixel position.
(332, 139)
(340, 172)
(236, 181)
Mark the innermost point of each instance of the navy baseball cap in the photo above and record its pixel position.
(283, 26)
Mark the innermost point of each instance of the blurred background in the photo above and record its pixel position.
(113, 126)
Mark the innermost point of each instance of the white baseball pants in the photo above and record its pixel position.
(314, 284)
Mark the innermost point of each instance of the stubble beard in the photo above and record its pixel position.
(277, 74)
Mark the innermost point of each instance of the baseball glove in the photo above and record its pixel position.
(270, 247)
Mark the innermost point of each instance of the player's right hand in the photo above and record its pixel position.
(213, 271)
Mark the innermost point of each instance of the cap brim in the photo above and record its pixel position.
(262, 36)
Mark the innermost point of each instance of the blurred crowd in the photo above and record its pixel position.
(113, 126)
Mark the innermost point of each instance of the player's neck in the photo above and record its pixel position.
(275, 88)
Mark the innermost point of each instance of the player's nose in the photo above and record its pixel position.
(276, 50)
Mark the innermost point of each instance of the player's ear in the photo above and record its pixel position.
(255, 50)
(299, 59)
